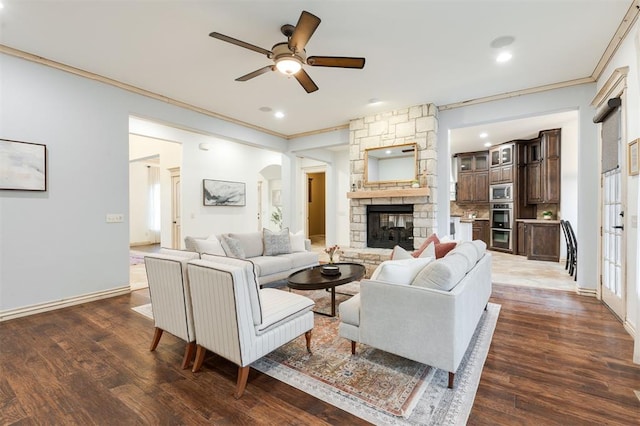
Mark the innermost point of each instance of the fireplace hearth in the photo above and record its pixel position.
(390, 225)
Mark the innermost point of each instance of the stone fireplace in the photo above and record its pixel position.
(416, 124)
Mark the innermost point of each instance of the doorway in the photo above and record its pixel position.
(316, 206)
(614, 157)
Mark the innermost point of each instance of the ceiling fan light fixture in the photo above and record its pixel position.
(288, 65)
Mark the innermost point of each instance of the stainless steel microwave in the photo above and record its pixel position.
(501, 192)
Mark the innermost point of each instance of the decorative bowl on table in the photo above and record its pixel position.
(330, 270)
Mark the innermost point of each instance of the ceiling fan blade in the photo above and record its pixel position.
(256, 73)
(335, 61)
(307, 24)
(240, 43)
(305, 81)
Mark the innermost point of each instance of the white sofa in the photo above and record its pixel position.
(272, 262)
(430, 319)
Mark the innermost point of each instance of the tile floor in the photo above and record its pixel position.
(506, 269)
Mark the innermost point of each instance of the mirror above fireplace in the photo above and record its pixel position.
(391, 164)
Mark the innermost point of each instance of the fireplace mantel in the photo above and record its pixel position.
(386, 193)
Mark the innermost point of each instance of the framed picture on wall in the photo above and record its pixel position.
(23, 166)
(633, 157)
(223, 193)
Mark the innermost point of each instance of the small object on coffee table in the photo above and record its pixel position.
(330, 270)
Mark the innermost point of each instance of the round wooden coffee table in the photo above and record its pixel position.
(313, 279)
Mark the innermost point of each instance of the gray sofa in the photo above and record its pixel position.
(271, 264)
(431, 317)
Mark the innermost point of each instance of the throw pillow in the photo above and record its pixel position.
(433, 238)
(232, 247)
(442, 274)
(297, 242)
(211, 245)
(400, 253)
(251, 243)
(399, 271)
(276, 242)
(443, 248)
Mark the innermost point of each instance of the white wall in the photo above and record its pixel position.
(628, 55)
(56, 245)
(569, 98)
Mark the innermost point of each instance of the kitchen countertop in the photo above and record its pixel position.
(471, 220)
(538, 220)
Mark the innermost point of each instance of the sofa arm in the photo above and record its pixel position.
(307, 244)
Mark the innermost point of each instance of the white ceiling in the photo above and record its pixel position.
(430, 51)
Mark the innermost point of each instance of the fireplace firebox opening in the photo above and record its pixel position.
(390, 225)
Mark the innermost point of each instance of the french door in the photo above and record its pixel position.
(613, 279)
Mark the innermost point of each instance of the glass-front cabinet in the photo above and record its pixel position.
(502, 155)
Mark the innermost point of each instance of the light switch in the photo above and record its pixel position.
(115, 217)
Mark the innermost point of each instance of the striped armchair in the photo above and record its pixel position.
(170, 298)
(238, 320)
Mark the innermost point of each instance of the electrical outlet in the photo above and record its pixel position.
(115, 217)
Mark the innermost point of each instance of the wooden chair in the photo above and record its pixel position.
(573, 267)
(170, 298)
(568, 261)
(238, 320)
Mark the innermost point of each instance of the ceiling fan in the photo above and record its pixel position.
(290, 56)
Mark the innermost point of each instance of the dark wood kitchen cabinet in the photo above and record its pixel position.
(539, 239)
(473, 178)
(480, 230)
(542, 165)
(502, 163)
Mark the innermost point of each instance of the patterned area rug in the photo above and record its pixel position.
(374, 385)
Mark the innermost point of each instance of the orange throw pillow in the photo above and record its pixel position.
(443, 248)
(433, 238)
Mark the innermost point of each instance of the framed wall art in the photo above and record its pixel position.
(633, 157)
(23, 166)
(223, 193)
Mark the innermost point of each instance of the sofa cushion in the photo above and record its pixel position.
(442, 274)
(251, 279)
(276, 242)
(297, 242)
(480, 246)
(469, 251)
(279, 306)
(401, 271)
(301, 259)
(399, 253)
(232, 247)
(251, 243)
(269, 265)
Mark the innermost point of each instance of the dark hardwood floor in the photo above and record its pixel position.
(556, 358)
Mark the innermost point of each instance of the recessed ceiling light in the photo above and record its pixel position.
(502, 41)
(265, 109)
(504, 57)
(484, 135)
(388, 152)
(487, 144)
(279, 114)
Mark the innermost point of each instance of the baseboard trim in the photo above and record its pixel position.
(63, 303)
(630, 328)
(587, 292)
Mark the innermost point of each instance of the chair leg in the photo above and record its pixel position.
(353, 347)
(200, 353)
(156, 338)
(307, 337)
(188, 354)
(243, 375)
(451, 376)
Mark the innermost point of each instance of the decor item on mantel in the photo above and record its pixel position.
(415, 184)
